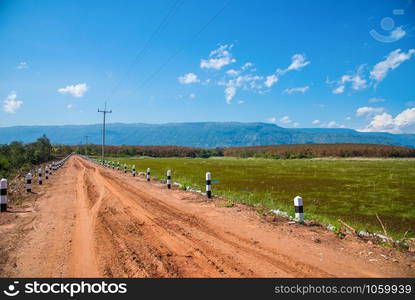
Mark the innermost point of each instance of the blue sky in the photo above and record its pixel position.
(294, 63)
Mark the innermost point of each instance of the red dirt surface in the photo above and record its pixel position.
(91, 221)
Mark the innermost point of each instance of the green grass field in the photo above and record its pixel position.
(352, 190)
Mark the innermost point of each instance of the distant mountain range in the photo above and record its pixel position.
(203, 134)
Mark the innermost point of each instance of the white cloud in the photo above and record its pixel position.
(410, 103)
(348, 118)
(244, 77)
(339, 89)
(69, 106)
(23, 65)
(296, 90)
(218, 58)
(361, 111)
(233, 72)
(391, 62)
(188, 78)
(376, 100)
(76, 91)
(296, 124)
(398, 33)
(285, 120)
(270, 80)
(316, 122)
(230, 92)
(11, 104)
(246, 66)
(298, 62)
(272, 120)
(332, 124)
(404, 122)
(192, 96)
(246, 82)
(241, 102)
(355, 79)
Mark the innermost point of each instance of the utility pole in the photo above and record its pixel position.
(104, 112)
(86, 144)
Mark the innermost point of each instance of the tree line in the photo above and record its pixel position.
(152, 151)
(18, 157)
(320, 150)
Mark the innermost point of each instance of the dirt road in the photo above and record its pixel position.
(90, 221)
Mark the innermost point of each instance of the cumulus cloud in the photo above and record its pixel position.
(270, 80)
(339, 89)
(246, 82)
(298, 62)
(230, 92)
(285, 120)
(393, 60)
(404, 122)
(316, 122)
(69, 106)
(244, 77)
(296, 90)
(76, 91)
(357, 80)
(362, 111)
(218, 58)
(233, 72)
(188, 78)
(241, 101)
(244, 67)
(192, 96)
(11, 104)
(272, 120)
(354, 79)
(23, 65)
(332, 124)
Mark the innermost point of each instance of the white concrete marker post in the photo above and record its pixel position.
(29, 182)
(125, 168)
(133, 170)
(46, 172)
(168, 179)
(39, 174)
(118, 166)
(50, 169)
(3, 194)
(148, 174)
(208, 185)
(298, 207)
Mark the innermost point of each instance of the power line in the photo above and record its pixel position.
(149, 78)
(173, 10)
(104, 112)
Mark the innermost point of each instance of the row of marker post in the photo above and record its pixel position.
(298, 201)
(49, 169)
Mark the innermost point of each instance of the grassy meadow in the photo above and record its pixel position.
(353, 190)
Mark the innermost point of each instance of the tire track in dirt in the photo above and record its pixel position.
(91, 221)
(173, 226)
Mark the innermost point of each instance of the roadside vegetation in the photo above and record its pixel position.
(18, 157)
